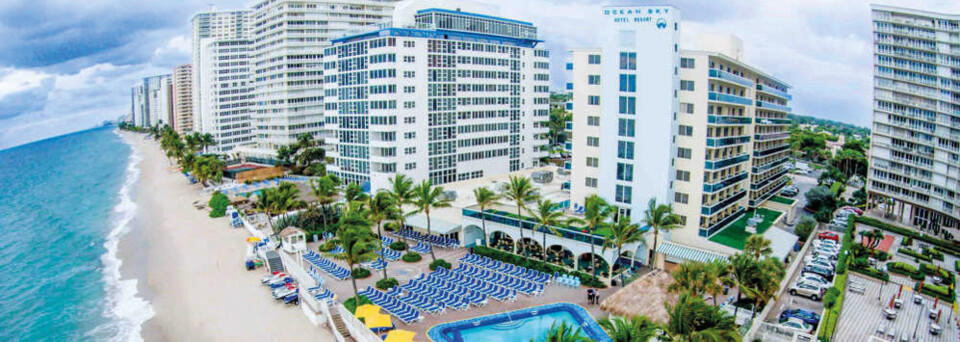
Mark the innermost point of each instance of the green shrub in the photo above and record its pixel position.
(907, 241)
(385, 284)
(933, 253)
(360, 273)
(914, 254)
(871, 272)
(327, 246)
(439, 263)
(956, 265)
(830, 299)
(860, 262)
(411, 257)
(218, 204)
(398, 246)
(352, 303)
(941, 292)
(905, 269)
(943, 246)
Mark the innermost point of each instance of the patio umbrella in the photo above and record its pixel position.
(378, 322)
(366, 310)
(400, 336)
(253, 239)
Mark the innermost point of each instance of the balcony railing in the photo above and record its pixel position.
(716, 208)
(714, 187)
(772, 106)
(722, 163)
(708, 231)
(771, 136)
(770, 165)
(565, 232)
(728, 120)
(732, 99)
(772, 121)
(770, 150)
(770, 192)
(726, 76)
(759, 185)
(721, 142)
(774, 91)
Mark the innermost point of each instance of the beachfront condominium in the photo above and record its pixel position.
(915, 145)
(183, 99)
(447, 91)
(288, 40)
(152, 101)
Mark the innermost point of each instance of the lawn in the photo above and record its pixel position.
(735, 235)
(783, 200)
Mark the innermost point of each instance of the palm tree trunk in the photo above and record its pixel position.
(380, 233)
(483, 224)
(543, 247)
(653, 253)
(400, 229)
(433, 257)
(591, 268)
(520, 221)
(619, 251)
(356, 293)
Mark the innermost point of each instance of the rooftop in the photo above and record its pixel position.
(735, 235)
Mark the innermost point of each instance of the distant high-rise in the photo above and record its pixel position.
(183, 99)
(915, 146)
(152, 101)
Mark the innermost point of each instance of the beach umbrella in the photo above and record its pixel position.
(366, 310)
(400, 336)
(253, 239)
(378, 322)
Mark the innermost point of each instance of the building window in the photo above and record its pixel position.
(569, 66)
(686, 108)
(593, 141)
(683, 176)
(683, 220)
(628, 61)
(593, 100)
(409, 43)
(625, 127)
(593, 79)
(591, 182)
(628, 83)
(625, 172)
(628, 105)
(410, 120)
(409, 59)
(681, 198)
(624, 194)
(409, 89)
(593, 162)
(409, 135)
(686, 85)
(686, 130)
(593, 59)
(593, 121)
(625, 150)
(409, 74)
(684, 153)
(409, 150)
(687, 63)
(409, 104)
(410, 166)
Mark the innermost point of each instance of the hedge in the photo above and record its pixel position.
(871, 272)
(387, 283)
(938, 291)
(832, 311)
(352, 303)
(360, 273)
(931, 270)
(907, 241)
(398, 246)
(910, 252)
(218, 204)
(956, 265)
(585, 279)
(327, 246)
(945, 246)
(439, 263)
(411, 257)
(905, 269)
(933, 253)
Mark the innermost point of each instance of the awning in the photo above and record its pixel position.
(437, 226)
(781, 242)
(366, 310)
(687, 253)
(400, 336)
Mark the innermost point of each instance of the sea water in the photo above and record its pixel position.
(64, 204)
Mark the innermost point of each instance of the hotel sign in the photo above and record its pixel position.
(638, 15)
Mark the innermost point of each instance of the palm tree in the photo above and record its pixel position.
(623, 233)
(426, 197)
(595, 214)
(326, 189)
(207, 140)
(547, 217)
(357, 240)
(742, 269)
(689, 278)
(520, 191)
(757, 246)
(562, 333)
(279, 200)
(692, 319)
(636, 329)
(716, 274)
(485, 198)
(401, 192)
(767, 280)
(354, 193)
(659, 217)
(380, 208)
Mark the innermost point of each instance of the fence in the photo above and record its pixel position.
(259, 174)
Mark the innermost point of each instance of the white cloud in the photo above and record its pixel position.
(18, 80)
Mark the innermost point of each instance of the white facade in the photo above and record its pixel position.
(446, 101)
(183, 98)
(152, 101)
(586, 79)
(213, 25)
(915, 146)
(227, 93)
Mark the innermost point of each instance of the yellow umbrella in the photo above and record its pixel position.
(378, 321)
(400, 336)
(366, 310)
(253, 239)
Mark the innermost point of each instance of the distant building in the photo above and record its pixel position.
(152, 101)
(183, 99)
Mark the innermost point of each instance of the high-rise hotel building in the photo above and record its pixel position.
(915, 145)
(446, 94)
(152, 101)
(182, 99)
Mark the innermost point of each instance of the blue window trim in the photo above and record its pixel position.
(441, 10)
(439, 34)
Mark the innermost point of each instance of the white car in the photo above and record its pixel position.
(826, 250)
(811, 290)
(819, 259)
(815, 279)
(826, 242)
(820, 263)
(798, 324)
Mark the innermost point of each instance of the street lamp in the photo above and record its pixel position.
(918, 322)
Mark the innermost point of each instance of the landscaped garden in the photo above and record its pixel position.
(735, 235)
(783, 200)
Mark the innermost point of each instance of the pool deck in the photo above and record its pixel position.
(405, 271)
(585, 321)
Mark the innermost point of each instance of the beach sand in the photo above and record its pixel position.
(190, 267)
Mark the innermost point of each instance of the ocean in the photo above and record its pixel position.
(65, 203)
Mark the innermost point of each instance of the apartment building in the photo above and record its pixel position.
(227, 93)
(915, 143)
(440, 94)
(152, 101)
(584, 143)
(183, 99)
(212, 25)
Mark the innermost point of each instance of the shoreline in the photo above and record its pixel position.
(188, 266)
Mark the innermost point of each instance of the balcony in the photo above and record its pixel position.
(716, 208)
(714, 187)
(706, 232)
(728, 120)
(771, 150)
(771, 191)
(509, 219)
(726, 76)
(722, 163)
(770, 165)
(771, 136)
(727, 141)
(759, 185)
(731, 99)
(772, 106)
(773, 121)
(775, 92)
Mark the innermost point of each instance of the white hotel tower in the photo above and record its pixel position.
(447, 91)
(915, 147)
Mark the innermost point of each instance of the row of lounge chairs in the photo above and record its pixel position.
(329, 267)
(566, 280)
(524, 286)
(321, 294)
(387, 240)
(406, 313)
(491, 289)
(438, 241)
(421, 248)
(338, 250)
(506, 268)
(377, 265)
(389, 254)
(449, 294)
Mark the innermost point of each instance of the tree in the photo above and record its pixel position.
(326, 189)
(557, 125)
(562, 333)
(520, 191)
(279, 200)
(692, 319)
(485, 198)
(380, 208)
(357, 240)
(547, 217)
(355, 193)
(207, 140)
(659, 217)
(716, 274)
(595, 214)
(757, 246)
(805, 228)
(401, 192)
(427, 197)
(635, 329)
(689, 278)
(820, 197)
(871, 238)
(623, 233)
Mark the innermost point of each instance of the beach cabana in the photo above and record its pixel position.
(294, 240)
(645, 296)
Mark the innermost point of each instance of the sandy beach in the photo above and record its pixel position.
(189, 266)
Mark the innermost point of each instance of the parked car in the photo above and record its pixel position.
(829, 236)
(798, 324)
(789, 191)
(819, 263)
(820, 259)
(856, 210)
(806, 316)
(825, 255)
(826, 250)
(811, 290)
(824, 272)
(826, 243)
(814, 278)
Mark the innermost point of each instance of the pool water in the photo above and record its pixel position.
(520, 325)
(521, 330)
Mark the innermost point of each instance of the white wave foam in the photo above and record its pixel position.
(124, 309)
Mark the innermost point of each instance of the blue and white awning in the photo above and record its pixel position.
(687, 253)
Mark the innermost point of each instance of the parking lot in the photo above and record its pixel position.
(863, 314)
(786, 301)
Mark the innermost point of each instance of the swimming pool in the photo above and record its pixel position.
(520, 325)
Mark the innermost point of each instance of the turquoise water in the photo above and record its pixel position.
(66, 202)
(519, 330)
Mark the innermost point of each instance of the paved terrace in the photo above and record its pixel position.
(862, 315)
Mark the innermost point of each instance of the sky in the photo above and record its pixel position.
(68, 65)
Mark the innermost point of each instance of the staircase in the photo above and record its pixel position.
(338, 323)
(274, 263)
